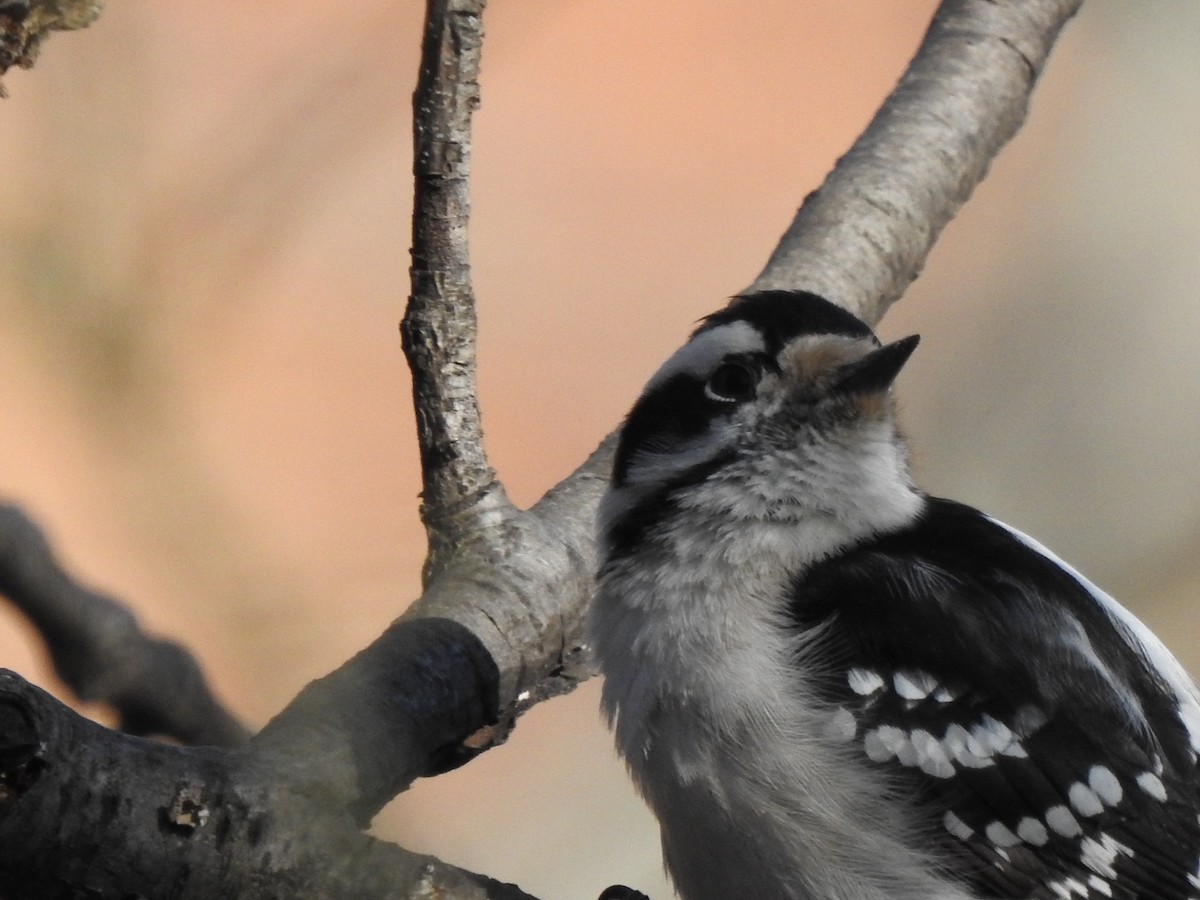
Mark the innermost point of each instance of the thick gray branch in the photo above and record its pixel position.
(863, 236)
(133, 818)
(523, 591)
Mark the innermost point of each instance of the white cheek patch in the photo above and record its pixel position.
(652, 467)
(648, 468)
(699, 356)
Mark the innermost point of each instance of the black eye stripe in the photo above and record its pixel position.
(627, 533)
(673, 411)
(681, 407)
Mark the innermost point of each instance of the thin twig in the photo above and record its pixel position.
(461, 492)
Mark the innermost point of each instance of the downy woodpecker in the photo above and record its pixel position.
(829, 685)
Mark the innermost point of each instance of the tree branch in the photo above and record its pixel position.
(863, 236)
(130, 817)
(99, 650)
(461, 494)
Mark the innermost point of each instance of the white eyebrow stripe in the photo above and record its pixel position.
(699, 355)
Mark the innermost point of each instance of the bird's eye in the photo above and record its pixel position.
(733, 382)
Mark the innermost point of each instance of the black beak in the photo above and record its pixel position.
(877, 370)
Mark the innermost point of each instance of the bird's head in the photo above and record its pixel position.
(778, 408)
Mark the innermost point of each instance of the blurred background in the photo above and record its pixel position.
(203, 261)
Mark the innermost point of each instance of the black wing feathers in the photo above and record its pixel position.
(1050, 749)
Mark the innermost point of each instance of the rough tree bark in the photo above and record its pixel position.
(89, 811)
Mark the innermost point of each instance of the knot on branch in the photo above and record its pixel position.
(187, 810)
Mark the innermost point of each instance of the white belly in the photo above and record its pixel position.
(756, 798)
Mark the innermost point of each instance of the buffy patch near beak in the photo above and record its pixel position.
(878, 369)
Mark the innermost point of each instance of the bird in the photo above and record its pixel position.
(829, 685)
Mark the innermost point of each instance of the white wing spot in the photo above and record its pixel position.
(1098, 884)
(955, 739)
(975, 746)
(864, 682)
(931, 756)
(906, 753)
(1085, 800)
(1152, 785)
(1100, 855)
(1105, 783)
(990, 737)
(1068, 887)
(945, 695)
(971, 761)
(875, 746)
(958, 744)
(1062, 822)
(1028, 720)
(999, 834)
(1031, 831)
(913, 685)
(1016, 750)
(893, 738)
(957, 826)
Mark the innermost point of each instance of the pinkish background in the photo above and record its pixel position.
(203, 261)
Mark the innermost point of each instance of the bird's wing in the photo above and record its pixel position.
(1052, 740)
